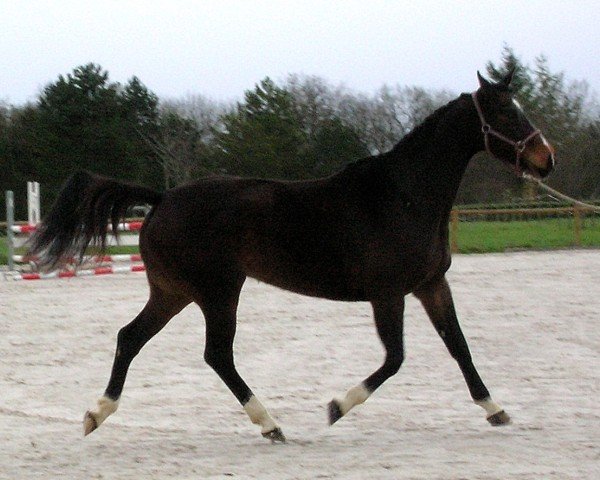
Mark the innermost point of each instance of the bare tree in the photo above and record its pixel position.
(184, 138)
(390, 113)
(315, 100)
(206, 113)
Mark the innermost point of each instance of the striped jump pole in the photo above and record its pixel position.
(86, 260)
(122, 227)
(91, 264)
(79, 273)
(119, 258)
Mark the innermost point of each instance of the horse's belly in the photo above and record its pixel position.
(314, 281)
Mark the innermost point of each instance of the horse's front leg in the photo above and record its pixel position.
(389, 315)
(436, 297)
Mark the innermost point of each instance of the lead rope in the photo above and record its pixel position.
(562, 196)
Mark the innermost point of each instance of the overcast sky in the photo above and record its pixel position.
(221, 48)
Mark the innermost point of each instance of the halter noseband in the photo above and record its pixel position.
(487, 130)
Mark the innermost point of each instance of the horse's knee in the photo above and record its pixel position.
(211, 358)
(216, 357)
(456, 344)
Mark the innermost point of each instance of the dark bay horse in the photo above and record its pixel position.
(376, 231)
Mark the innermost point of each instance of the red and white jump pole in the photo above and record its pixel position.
(97, 259)
(79, 273)
(122, 227)
(33, 214)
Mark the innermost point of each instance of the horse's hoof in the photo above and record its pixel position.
(335, 412)
(500, 418)
(276, 435)
(89, 423)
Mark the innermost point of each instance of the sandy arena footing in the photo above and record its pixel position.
(532, 321)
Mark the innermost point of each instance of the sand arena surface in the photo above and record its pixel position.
(532, 320)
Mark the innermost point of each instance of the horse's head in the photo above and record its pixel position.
(506, 131)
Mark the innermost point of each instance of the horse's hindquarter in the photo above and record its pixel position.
(263, 229)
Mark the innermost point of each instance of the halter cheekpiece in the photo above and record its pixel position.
(487, 130)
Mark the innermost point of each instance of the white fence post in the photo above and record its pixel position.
(33, 203)
(10, 221)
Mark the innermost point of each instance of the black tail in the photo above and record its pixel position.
(80, 216)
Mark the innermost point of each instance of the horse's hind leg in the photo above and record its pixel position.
(219, 308)
(389, 317)
(436, 297)
(161, 307)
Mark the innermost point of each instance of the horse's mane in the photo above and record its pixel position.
(412, 139)
(426, 128)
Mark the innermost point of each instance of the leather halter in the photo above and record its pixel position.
(487, 130)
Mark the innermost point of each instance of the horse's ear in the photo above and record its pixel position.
(508, 77)
(482, 81)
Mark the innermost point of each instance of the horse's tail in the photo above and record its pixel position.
(81, 214)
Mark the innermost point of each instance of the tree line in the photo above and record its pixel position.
(301, 127)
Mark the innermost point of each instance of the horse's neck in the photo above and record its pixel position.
(429, 163)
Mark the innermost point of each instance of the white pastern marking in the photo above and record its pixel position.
(259, 415)
(355, 396)
(489, 406)
(106, 407)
